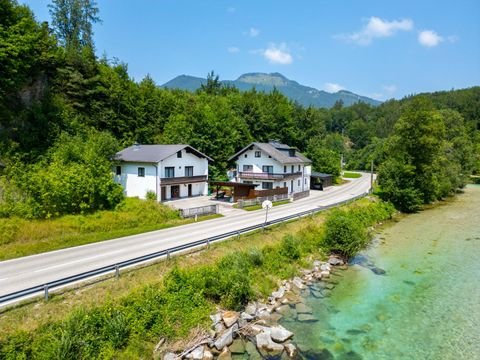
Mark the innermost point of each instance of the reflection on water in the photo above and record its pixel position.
(414, 294)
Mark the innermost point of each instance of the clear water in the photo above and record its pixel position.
(426, 305)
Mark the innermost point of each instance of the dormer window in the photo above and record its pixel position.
(179, 154)
(258, 154)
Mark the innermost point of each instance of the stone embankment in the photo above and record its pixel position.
(255, 330)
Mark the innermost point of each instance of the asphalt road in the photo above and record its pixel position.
(25, 272)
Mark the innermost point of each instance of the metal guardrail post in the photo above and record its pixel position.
(45, 290)
(117, 271)
(168, 254)
(208, 243)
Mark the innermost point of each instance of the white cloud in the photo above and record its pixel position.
(377, 28)
(429, 38)
(277, 54)
(332, 87)
(253, 32)
(233, 50)
(390, 89)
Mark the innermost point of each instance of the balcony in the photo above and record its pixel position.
(267, 176)
(183, 180)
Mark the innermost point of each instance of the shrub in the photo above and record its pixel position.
(150, 195)
(289, 248)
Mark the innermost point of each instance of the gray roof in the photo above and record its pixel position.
(272, 148)
(154, 153)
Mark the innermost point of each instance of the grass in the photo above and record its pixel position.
(259, 206)
(21, 237)
(351, 175)
(124, 318)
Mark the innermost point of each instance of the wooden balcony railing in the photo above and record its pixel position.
(183, 180)
(267, 176)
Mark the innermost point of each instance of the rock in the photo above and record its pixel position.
(298, 283)
(317, 263)
(291, 350)
(378, 271)
(279, 293)
(329, 286)
(216, 318)
(325, 267)
(274, 318)
(251, 309)
(225, 355)
(264, 315)
(219, 328)
(280, 334)
(170, 356)
(252, 352)
(237, 347)
(264, 341)
(283, 309)
(288, 286)
(226, 338)
(246, 316)
(316, 294)
(335, 261)
(196, 354)
(325, 273)
(230, 318)
(303, 309)
(306, 318)
(207, 355)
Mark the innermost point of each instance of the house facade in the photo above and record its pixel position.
(272, 165)
(169, 171)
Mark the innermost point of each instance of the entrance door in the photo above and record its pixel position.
(175, 191)
(163, 193)
(189, 189)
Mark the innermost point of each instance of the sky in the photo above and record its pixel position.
(377, 48)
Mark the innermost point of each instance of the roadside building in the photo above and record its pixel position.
(320, 181)
(272, 165)
(169, 171)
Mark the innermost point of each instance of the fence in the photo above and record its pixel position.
(301, 195)
(259, 200)
(115, 268)
(197, 211)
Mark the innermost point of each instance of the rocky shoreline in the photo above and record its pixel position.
(255, 331)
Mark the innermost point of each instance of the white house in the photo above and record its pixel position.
(272, 165)
(170, 171)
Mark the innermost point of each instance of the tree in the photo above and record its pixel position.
(73, 22)
(213, 85)
(323, 159)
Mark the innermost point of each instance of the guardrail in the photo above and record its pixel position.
(45, 288)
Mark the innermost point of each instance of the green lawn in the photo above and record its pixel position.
(21, 237)
(351, 175)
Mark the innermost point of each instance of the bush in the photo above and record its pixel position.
(345, 234)
(151, 196)
(289, 248)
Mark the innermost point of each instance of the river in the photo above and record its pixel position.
(425, 306)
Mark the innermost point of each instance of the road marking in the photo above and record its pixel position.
(3, 279)
(69, 263)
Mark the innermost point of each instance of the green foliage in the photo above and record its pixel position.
(351, 175)
(323, 160)
(289, 248)
(150, 195)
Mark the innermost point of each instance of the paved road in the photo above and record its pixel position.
(25, 272)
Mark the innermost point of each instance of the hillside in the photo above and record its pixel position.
(305, 95)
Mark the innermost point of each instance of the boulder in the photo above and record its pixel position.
(226, 338)
(303, 309)
(196, 354)
(298, 283)
(219, 328)
(237, 347)
(335, 261)
(283, 309)
(291, 350)
(264, 342)
(279, 293)
(325, 267)
(252, 352)
(280, 334)
(170, 356)
(230, 318)
(216, 318)
(246, 316)
(207, 355)
(325, 273)
(306, 318)
(251, 309)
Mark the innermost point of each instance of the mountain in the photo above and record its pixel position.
(304, 95)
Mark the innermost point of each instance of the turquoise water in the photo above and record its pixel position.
(426, 305)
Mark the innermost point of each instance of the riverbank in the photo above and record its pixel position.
(171, 302)
(423, 305)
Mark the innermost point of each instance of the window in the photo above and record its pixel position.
(169, 172)
(291, 152)
(247, 167)
(293, 168)
(188, 170)
(247, 182)
(298, 167)
(267, 169)
(305, 181)
(258, 153)
(298, 182)
(246, 155)
(267, 185)
(284, 184)
(179, 154)
(119, 170)
(285, 169)
(141, 172)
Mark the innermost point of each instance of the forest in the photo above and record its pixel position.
(64, 112)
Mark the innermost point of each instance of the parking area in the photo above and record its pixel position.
(225, 208)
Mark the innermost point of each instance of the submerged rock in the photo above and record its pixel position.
(303, 309)
(355, 332)
(378, 271)
(306, 318)
(351, 355)
(237, 347)
(323, 354)
(280, 334)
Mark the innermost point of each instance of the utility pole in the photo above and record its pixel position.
(371, 176)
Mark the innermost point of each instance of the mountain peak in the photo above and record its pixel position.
(266, 82)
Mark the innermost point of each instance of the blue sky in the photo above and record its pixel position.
(377, 48)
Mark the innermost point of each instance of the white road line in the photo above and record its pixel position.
(69, 263)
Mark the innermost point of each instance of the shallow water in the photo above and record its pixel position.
(425, 306)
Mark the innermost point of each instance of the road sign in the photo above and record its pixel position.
(267, 204)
